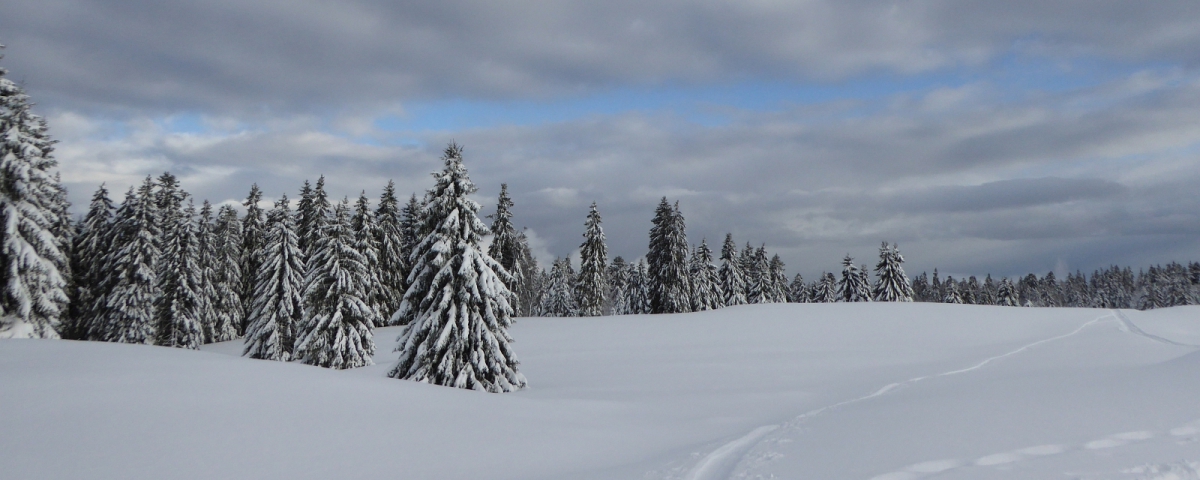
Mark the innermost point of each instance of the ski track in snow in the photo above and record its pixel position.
(721, 462)
(1128, 326)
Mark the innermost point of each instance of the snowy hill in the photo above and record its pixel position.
(822, 391)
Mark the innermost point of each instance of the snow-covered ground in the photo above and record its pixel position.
(820, 391)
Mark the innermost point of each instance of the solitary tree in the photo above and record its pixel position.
(457, 303)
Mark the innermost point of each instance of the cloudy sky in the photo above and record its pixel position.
(981, 136)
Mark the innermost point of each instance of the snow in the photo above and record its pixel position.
(869, 391)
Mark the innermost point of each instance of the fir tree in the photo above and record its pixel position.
(638, 292)
(826, 291)
(921, 288)
(366, 233)
(129, 305)
(304, 216)
(705, 280)
(206, 242)
(892, 284)
(1006, 293)
(529, 287)
(592, 283)
(851, 287)
(779, 286)
(618, 283)
(798, 290)
(758, 288)
(226, 279)
(312, 215)
(32, 286)
(252, 241)
(952, 293)
(559, 299)
(92, 278)
(504, 235)
(336, 331)
(733, 278)
(667, 261)
(278, 295)
(988, 292)
(457, 303)
(178, 306)
(393, 262)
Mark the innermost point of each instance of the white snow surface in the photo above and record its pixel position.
(871, 391)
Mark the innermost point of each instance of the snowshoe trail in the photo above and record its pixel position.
(1178, 471)
(722, 461)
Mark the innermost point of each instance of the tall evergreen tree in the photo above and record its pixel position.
(92, 278)
(206, 242)
(226, 277)
(252, 241)
(1006, 293)
(779, 285)
(798, 290)
(336, 331)
(32, 286)
(278, 290)
(393, 262)
(129, 306)
(667, 261)
(313, 214)
(530, 286)
(618, 283)
(304, 215)
(826, 290)
(851, 287)
(705, 280)
(733, 278)
(366, 233)
(178, 307)
(639, 288)
(592, 283)
(953, 295)
(457, 302)
(892, 284)
(758, 286)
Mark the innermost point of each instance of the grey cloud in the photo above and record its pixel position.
(309, 55)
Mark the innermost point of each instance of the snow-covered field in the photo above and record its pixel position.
(815, 391)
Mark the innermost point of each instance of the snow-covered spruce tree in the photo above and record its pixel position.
(304, 208)
(504, 248)
(758, 286)
(779, 285)
(733, 278)
(921, 288)
(591, 285)
(336, 330)
(892, 284)
(129, 306)
(706, 282)
(206, 242)
(178, 308)
(1006, 293)
(226, 278)
(667, 261)
(953, 295)
(618, 282)
(365, 235)
(851, 287)
(63, 229)
(987, 293)
(559, 299)
(639, 288)
(458, 302)
(393, 264)
(826, 290)
(278, 295)
(252, 241)
(92, 281)
(32, 287)
(798, 290)
(530, 285)
(312, 214)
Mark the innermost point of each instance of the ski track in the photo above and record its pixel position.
(720, 463)
(1131, 327)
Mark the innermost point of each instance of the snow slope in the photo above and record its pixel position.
(822, 391)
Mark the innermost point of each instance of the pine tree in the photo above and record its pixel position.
(312, 215)
(618, 282)
(592, 282)
(667, 261)
(92, 279)
(252, 241)
(64, 231)
(304, 216)
(278, 295)
(129, 306)
(365, 234)
(758, 289)
(639, 288)
(206, 242)
(952, 293)
(178, 306)
(826, 291)
(226, 275)
(559, 299)
(733, 278)
(336, 331)
(988, 292)
(851, 287)
(705, 280)
(458, 303)
(892, 284)
(504, 235)
(920, 288)
(393, 262)
(32, 287)
(530, 285)
(779, 286)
